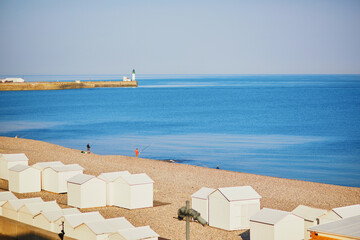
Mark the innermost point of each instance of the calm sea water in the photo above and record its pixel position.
(292, 126)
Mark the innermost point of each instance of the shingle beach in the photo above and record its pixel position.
(175, 183)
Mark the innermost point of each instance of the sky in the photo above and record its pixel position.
(42, 37)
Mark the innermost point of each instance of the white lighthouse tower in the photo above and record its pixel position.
(133, 75)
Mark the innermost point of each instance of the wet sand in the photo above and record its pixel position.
(175, 183)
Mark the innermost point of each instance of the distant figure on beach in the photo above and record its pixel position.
(88, 147)
(217, 167)
(136, 152)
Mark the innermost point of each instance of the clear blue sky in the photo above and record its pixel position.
(190, 37)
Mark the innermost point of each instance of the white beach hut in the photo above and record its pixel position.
(9, 160)
(54, 178)
(200, 202)
(42, 165)
(109, 178)
(310, 215)
(71, 221)
(4, 197)
(86, 191)
(272, 224)
(230, 208)
(11, 207)
(344, 229)
(24, 179)
(29, 210)
(340, 213)
(134, 191)
(138, 233)
(101, 230)
(45, 220)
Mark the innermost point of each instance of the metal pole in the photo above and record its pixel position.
(187, 220)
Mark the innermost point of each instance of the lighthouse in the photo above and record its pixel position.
(133, 75)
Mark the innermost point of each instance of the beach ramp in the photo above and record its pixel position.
(9, 160)
(24, 179)
(110, 178)
(200, 201)
(272, 224)
(86, 191)
(230, 208)
(54, 178)
(134, 191)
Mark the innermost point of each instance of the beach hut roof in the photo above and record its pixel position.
(67, 168)
(269, 216)
(134, 179)
(42, 165)
(112, 176)
(18, 203)
(348, 227)
(348, 211)
(119, 223)
(77, 219)
(80, 179)
(5, 196)
(13, 157)
(55, 215)
(108, 225)
(308, 213)
(37, 207)
(203, 193)
(239, 193)
(138, 233)
(19, 168)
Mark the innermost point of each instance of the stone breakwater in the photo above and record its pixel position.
(63, 85)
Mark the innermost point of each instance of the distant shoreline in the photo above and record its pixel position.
(64, 85)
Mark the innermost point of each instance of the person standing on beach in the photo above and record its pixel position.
(136, 152)
(88, 147)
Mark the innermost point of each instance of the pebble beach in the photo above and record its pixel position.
(175, 183)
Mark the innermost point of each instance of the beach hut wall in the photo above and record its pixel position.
(54, 178)
(24, 179)
(230, 208)
(344, 229)
(71, 221)
(340, 213)
(138, 233)
(101, 230)
(11, 207)
(110, 178)
(134, 191)
(271, 224)
(29, 210)
(310, 216)
(200, 202)
(86, 191)
(9, 160)
(4, 197)
(45, 220)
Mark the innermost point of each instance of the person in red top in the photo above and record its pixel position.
(136, 152)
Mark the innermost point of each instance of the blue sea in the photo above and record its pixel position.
(303, 127)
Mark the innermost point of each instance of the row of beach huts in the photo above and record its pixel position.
(122, 189)
(230, 208)
(236, 208)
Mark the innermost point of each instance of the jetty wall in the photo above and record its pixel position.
(63, 85)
